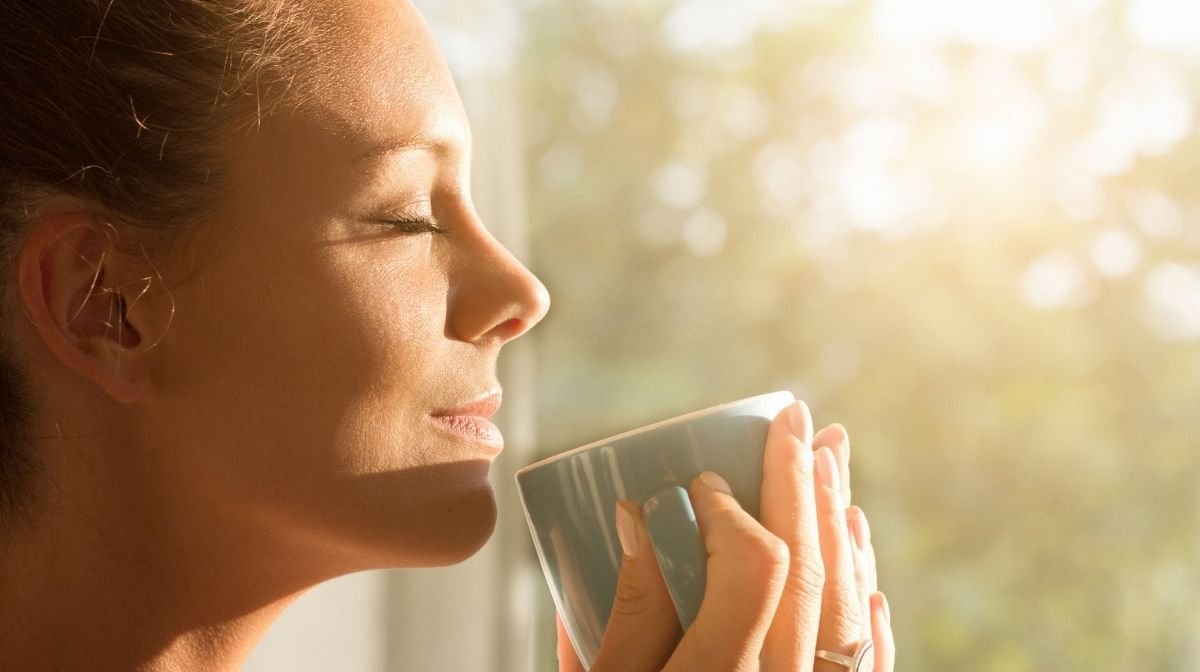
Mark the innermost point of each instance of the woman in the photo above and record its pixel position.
(250, 327)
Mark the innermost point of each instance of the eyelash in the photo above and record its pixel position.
(415, 225)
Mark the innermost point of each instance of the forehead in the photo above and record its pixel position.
(379, 78)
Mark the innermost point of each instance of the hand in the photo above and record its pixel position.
(852, 609)
(802, 579)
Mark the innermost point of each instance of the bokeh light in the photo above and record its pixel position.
(966, 229)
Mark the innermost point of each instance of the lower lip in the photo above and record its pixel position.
(473, 427)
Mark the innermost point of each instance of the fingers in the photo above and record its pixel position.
(747, 570)
(856, 521)
(881, 634)
(802, 579)
(872, 571)
(567, 660)
(643, 628)
(788, 510)
(842, 617)
(838, 439)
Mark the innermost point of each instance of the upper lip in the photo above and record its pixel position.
(482, 406)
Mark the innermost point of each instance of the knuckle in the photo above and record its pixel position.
(766, 555)
(778, 556)
(631, 600)
(844, 606)
(809, 576)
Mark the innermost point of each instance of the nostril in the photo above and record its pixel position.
(512, 328)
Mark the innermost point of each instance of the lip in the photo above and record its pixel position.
(483, 406)
(470, 421)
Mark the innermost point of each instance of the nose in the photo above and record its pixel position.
(492, 298)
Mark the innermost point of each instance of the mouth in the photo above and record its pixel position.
(470, 421)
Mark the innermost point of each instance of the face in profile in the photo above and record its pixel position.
(347, 300)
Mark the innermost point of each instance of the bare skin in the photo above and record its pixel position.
(800, 579)
(260, 422)
(263, 417)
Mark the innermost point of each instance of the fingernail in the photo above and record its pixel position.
(827, 469)
(844, 445)
(865, 528)
(840, 433)
(798, 418)
(627, 532)
(879, 608)
(713, 481)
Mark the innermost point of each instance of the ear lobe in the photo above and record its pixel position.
(67, 272)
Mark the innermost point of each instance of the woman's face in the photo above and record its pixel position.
(326, 329)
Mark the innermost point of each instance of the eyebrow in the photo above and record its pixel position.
(438, 145)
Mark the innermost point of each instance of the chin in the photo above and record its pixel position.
(429, 516)
(467, 529)
(438, 520)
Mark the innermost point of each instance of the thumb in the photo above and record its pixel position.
(643, 629)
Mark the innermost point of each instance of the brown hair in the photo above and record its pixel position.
(121, 103)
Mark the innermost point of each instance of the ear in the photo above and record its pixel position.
(79, 298)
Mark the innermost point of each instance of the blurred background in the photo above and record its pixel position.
(967, 230)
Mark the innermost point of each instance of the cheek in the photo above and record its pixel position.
(297, 354)
(393, 324)
(321, 370)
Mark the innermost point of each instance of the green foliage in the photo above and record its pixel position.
(1028, 464)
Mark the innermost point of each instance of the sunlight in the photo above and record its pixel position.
(680, 186)
(1014, 24)
(1055, 281)
(704, 26)
(868, 181)
(704, 232)
(999, 144)
(1145, 112)
(1159, 216)
(1173, 295)
(1116, 253)
(780, 177)
(865, 195)
(1170, 24)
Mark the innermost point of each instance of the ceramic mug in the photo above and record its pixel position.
(570, 503)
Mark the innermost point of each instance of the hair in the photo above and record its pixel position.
(122, 103)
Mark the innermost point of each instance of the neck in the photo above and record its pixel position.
(104, 576)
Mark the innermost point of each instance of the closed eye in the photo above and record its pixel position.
(415, 225)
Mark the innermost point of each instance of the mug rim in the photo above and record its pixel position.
(678, 419)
